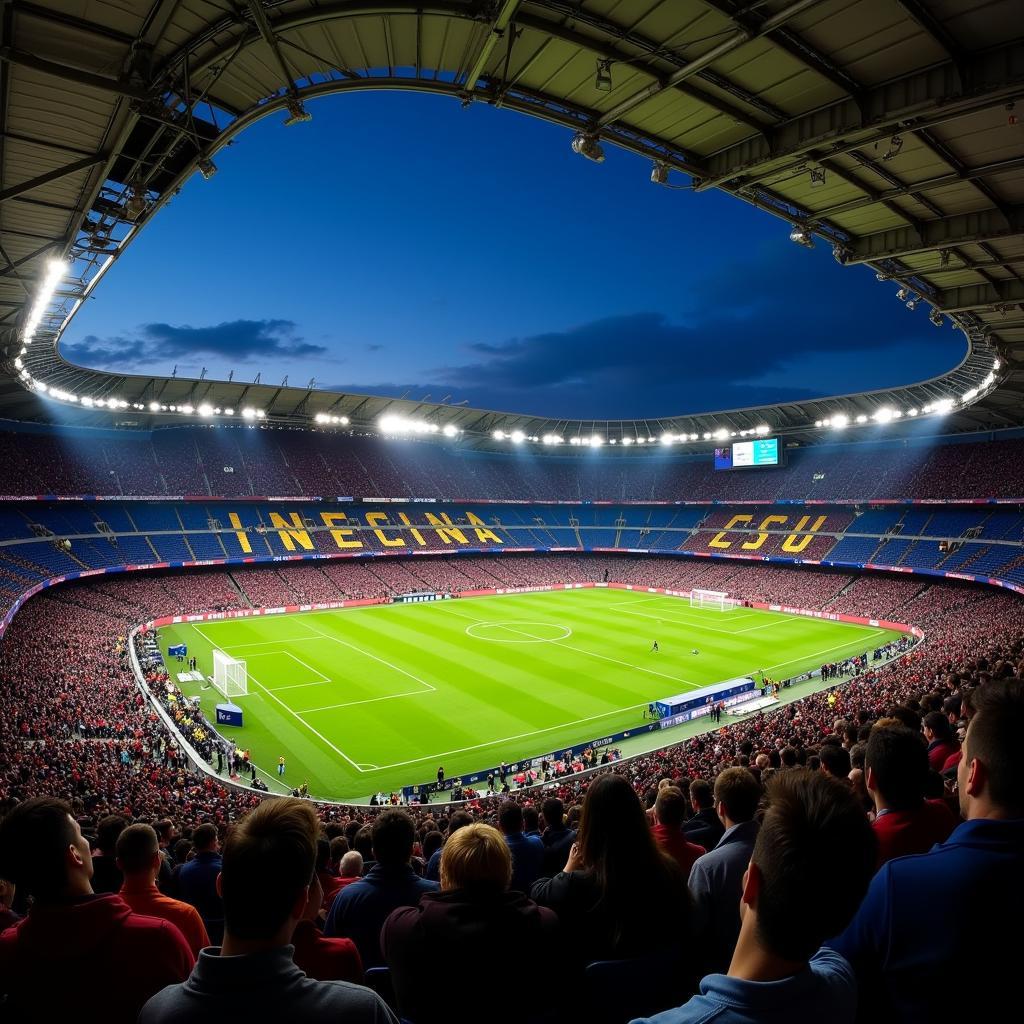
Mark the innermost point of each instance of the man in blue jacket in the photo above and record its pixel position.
(360, 909)
(938, 934)
(527, 851)
(197, 880)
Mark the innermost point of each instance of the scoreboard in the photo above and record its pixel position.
(748, 454)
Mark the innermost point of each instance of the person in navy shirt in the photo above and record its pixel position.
(527, 851)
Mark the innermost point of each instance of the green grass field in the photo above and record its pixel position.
(375, 698)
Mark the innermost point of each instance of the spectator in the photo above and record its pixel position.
(896, 776)
(811, 863)
(360, 909)
(350, 869)
(105, 875)
(669, 812)
(329, 882)
(704, 828)
(716, 879)
(619, 895)
(474, 918)
(925, 917)
(73, 941)
(268, 870)
(941, 742)
(557, 837)
(458, 820)
(321, 958)
(7, 914)
(835, 761)
(197, 880)
(138, 857)
(527, 851)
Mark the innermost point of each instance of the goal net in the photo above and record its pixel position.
(229, 675)
(712, 599)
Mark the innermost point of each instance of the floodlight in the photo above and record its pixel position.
(206, 409)
(297, 113)
(588, 146)
(840, 420)
(883, 415)
(721, 434)
(936, 318)
(596, 441)
(762, 429)
(902, 294)
(627, 440)
(248, 413)
(817, 176)
(135, 206)
(659, 173)
(603, 78)
(207, 168)
(498, 435)
(801, 236)
(450, 430)
(944, 405)
(912, 303)
(666, 438)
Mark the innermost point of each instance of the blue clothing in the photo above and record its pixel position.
(527, 860)
(360, 909)
(826, 991)
(197, 884)
(433, 871)
(938, 934)
(716, 884)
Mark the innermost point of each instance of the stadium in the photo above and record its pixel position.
(709, 714)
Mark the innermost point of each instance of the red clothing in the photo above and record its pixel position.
(146, 898)
(56, 957)
(677, 846)
(326, 959)
(331, 887)
(938, 753)
(901, 833)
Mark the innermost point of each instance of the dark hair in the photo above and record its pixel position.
(993, 738)
(323, 854)
(553, 810)
(939, 724)
(432, 842)
(510, 817)
(898, 761)
(670, 807)
(619, 851)
(182, 848)
(136, 846)
(34, 838)
(339, 847)
(815, 853)
(835, 760)
(700, 793)
(204, 837)
(531, 819)
(164, 829)
(740, 792)
(393, 836)
(362, 842)
(107, 831)
(787, 757)
(460, 819)
(269, 856)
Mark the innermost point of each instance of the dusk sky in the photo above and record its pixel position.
(400, 244)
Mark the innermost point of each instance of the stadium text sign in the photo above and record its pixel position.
(801, 536)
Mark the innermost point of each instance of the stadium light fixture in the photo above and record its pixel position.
(667, 438)
(944, 405)
(186, 409)
(659, 173)
(801, 236)
(603, 78)
(517, 437)
(206, 167)
(297, 113)
(761, 429)
(912, 302)
(840, 420)
(498, 435)
(883, 415)
(450, 430)
(936, 318)
(588, 146)
(154, 406)
(596, 441)
(627, 441)
(912, 412)
(205, 409)
(55, 271)
(721, 434)
(817, 176)
(902, 294)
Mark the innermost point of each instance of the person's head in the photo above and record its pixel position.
(510, 818)
(812, 861)
(896, 767)
(737, 794)
(553, 811)
(363, 842)
(476, 857)
(138, 852)
(460, 819)
(936, 727)
(835, 760)
(701, 795)
(351, 865)
(7, 890)
(205, 839)
(432, 842)
(269, 859)
(393, 838)
(107, 831)
(787, 757)
(339, 847)
(165, 831)
(989, 779)
(43, 851)
(670, 807)
(531, 819)
(182, 849)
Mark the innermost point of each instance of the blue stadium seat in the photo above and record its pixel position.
(622, 990)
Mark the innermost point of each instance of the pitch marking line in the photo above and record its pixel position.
(828, 650)
(683, 622)
(566, 632)
(368, 700)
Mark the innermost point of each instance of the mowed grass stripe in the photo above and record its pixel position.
(492, 701)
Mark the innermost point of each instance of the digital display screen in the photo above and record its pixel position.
(748, 454)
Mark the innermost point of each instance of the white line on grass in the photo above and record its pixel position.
(828, 650)
(367, 700)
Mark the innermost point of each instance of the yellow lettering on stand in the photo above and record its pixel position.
(291, 532)
(718, 540)
(795, 543)
(374, 519)
(446, 529)
(240, 533)
(340, 535)
(483, 535)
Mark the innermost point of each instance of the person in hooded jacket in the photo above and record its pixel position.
(474, 918)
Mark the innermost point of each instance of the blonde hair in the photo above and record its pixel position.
(476, 856)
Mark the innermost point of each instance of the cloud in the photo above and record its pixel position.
(235, 341)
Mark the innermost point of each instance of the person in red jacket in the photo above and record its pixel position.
(321, 958)
(73, 942)
(896, 766)
(941, 741)
(669, 814)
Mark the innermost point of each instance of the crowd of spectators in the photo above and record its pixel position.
(235, 462)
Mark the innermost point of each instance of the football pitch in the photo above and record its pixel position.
(373, 698)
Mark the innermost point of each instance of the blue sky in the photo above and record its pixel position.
(401, 244)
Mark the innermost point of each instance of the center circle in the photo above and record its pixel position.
(518, 632)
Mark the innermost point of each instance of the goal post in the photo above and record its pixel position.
(229, 675)
(714, 599)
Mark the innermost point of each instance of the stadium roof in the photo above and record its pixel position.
(887, 131)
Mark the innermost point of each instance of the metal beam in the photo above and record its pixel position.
(733, 42)
(495, 33)
(961, 229)
(908, 103)
(926, 21)
(45, 179)
(10, 55)
(981, 296)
